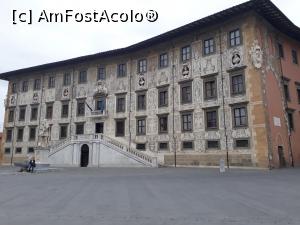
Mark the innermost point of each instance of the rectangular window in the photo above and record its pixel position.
(81, 108)
(99, 127)
(80, 128)
(187, 145)
(20, 134)
(101, 73)
(34, 113)
(37, 84)
(286, 90)
(298, 93)
(290, 120)
(22, 114)
(120, 128)
(51, 82)
(14, 88)
(240, 118)
(120, 104)
(295, 56)
(211, 119)
(237, 84)
(32, 133)
(163, 60)
(209, 46)
(63, 131)
(141, 126)
(141, 146)
(210, 88)
(18, 150)
(212, 144)
(235, 37)
(82, 78)
(186, 92)
(186, 53)
(141, 101)
(241, 143)
(163, 97)
(142, 66)
(25, 86)
(163, 123)
(64, 109)
(7, 151)
(67, 79)
(49, 111)
(187, 121)
(280, 51)
(163, 146)
(100, 103)
(9, 133)
(121, 70)
(30, 150)
(11, 115)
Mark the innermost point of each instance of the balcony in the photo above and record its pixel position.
(98, 114)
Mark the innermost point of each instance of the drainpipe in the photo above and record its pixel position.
(71, 101)
(223, 99)
(173, 102)
(129, 111)
(14, 129)
(41, 105)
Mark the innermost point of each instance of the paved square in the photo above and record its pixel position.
(115, 196)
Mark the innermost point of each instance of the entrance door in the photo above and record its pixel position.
(84, 159)
(282, 162)
(120, 128)
(99, 128)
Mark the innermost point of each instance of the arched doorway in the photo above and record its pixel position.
(84, 158)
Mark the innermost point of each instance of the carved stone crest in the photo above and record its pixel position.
(100, 89)
(185, 70)
(65, 93)
(256, 54)
(209, 67)
(81, 92)
(236, 58)
(12, 100)
(142, 81)
(35, 97)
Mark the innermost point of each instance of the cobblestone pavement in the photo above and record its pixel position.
(138, 196)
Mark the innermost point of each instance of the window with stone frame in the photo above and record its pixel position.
(294, 56)
(32, 133)
(241, 143)
(142, 66)
(211, 117)
(237, 83)
(51, 82)
(141, 100)
(18, 150)
(20, 134)
(37, 84)
(187, 145)
(30, 150)
(186, 121)
(100, 103)
(34, 113)
(141, 146)
(163, 146)
(14, 88)
(11, 115)
(185, 53)
(7, 151)
(82, 77)
(120, 127)
(81, 108)
(210, 88)
(163, 123)
(186, 92)
(163, 60)
(101, 74)
(49, 110)
(141, 126)
(120, 103)
(22, 113)
(208, 46)
(63, 134)
(235, 37)
(121, 70)
(240, 116)
(25, 86)
(290, 117)
(286, 89)
(280, 50)
(298, 91)
(67, 79)
(163, 96)
(212, 144)
(64, 109)
(9, 133)
(79, 128)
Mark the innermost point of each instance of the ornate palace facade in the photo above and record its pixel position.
(226, 86)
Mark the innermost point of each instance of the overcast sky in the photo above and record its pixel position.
(28, 45)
